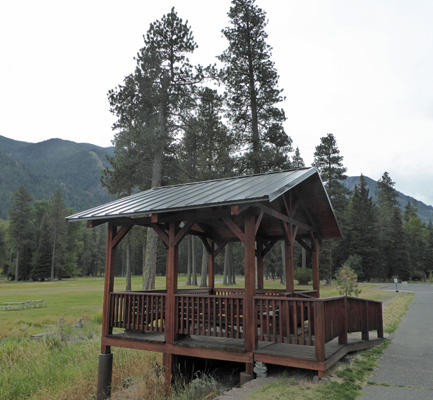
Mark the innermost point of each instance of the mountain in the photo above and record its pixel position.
(44, 167)
(425, 212)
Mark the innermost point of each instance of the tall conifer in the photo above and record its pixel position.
(252, 92)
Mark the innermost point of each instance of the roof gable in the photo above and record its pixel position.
(237, 190)
(266, 189)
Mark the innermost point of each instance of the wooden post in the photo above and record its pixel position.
(211, 266)
(250, 322)
(259, 265)
(365, 325)
(319, 323)
(315, 262)
(105, 364)
(342, 338)
(169, 362)
(171, 285)
(380, 323)
(290, 279)
(170, 309)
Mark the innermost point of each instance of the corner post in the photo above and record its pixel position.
(105, 366)
(260, 284)
(290, 279)
(315, 262)
(250, 291)
(170, 311)
(211, 266)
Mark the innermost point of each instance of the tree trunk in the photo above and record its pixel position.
(150, 261)
(204, 258)
(189, 260)
(253, 102)
(53, 255)
(225, 273)
(228, 264)
(304, 258)
(283, 263)
(17, 265)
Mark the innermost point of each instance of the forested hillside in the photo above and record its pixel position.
(44, 167)
(424, 211)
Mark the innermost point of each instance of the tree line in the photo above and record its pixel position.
(177, 122)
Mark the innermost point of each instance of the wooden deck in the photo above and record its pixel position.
(230, 349)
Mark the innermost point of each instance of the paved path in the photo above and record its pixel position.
(406, 367)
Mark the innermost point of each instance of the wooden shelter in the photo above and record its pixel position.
(282, 327)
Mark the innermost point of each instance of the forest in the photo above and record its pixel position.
(177, 122)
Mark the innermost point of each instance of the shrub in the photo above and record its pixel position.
(303, 275)
(347, 281)
(418, 276)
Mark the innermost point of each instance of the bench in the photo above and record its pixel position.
(22, 305)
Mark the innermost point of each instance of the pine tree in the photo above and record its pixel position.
(329, 162)
(42, 258)
(56, 221)
(362, 230)
(417, 236)
(394, 258)
(252, 91)
(297, 160)
(206, 149)
(3, 247)
(147, 108)
(21, 231)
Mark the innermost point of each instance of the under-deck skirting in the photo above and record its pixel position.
(289, 355)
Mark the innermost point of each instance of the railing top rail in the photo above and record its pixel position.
(212, 296)
(143, 293)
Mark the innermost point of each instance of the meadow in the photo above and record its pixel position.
(52, 353)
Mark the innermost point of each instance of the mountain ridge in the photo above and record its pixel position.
(425, 211)
(46, 166)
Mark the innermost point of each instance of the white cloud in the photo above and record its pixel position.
(361, 70)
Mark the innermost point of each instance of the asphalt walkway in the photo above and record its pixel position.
(406, 368)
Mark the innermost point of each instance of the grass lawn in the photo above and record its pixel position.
(63, 365)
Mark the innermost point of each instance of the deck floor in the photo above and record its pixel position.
(280, 353)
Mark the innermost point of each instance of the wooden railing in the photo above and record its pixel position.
(138, 311)
(220, 316)
(280, 319)
(285, 320)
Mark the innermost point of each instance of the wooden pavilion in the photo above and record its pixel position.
(282, 327)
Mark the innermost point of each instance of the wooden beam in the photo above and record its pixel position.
(268, 247)
(161, 233)
(234, 228)
(285, 218)
(221, 246)
(205, 244)
(120, 235)
(259, 220)
(304, 245)
(183, 232)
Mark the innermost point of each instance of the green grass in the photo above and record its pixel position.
(346, 382)
(64, 364)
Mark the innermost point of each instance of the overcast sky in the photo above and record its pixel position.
(362, 70)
